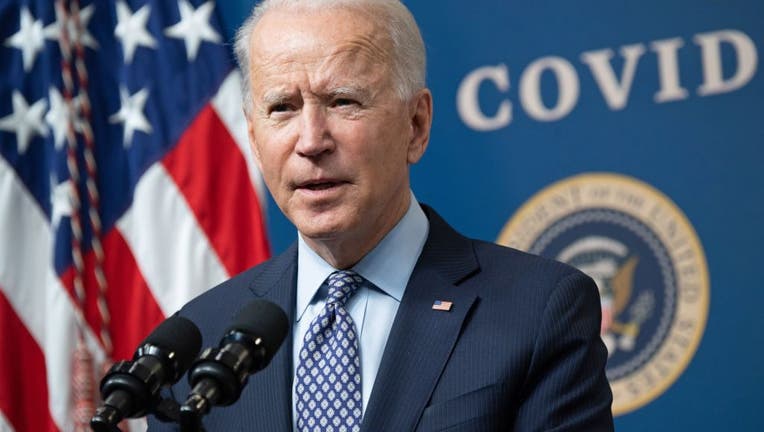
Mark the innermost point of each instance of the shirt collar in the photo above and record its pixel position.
(388, 266)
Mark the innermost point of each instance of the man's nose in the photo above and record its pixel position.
(315, 138)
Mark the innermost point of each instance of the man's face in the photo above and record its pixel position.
(331, 135)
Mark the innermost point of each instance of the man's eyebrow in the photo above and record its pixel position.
(275, 96)
(354, 91)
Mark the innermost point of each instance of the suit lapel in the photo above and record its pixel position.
(421, 338)
(269, 401)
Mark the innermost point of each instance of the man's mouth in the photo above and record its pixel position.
(319, 185)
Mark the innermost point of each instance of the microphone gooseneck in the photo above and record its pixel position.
(220, 374)
(131, 388)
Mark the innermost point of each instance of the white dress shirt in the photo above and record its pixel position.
(387, 269)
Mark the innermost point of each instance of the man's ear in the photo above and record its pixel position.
(420, 119)
(252, 141)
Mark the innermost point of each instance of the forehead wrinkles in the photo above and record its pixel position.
(372, 46)
(346, 44)
(358, 59)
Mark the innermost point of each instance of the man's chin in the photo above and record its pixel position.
(322, 227)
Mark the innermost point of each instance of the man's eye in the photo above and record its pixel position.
(340, 102)
(282, 107)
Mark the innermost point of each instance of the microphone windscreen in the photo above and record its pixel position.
(265, 320)
(179, 335)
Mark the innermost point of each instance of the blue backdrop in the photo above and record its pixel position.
(527, 95)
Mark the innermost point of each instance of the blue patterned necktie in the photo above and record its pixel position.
(328, 373)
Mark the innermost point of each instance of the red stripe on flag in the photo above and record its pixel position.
(133, 309)
(211, 172)
(23, 387)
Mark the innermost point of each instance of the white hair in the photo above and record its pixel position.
(408, 52)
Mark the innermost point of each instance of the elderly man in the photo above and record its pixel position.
(399, 323)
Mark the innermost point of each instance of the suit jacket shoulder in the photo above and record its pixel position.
(519, 350)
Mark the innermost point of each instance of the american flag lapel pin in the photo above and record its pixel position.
(441, 305)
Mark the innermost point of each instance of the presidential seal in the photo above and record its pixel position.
(647, 262)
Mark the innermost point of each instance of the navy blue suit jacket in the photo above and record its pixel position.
(519, 350)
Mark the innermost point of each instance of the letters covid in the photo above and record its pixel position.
(615, 87)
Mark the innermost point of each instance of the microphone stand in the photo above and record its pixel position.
(205, 391)
(218, 377)
(128, 378)
(191, 414)
(107, 417)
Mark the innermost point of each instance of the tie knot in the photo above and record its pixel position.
(342, 284)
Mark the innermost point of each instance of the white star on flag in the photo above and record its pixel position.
(29, 39)
(76, 34)
(59, 115)
(131, 29)
(61, 198)
(193, 27)
(131, 113)
(25, 121)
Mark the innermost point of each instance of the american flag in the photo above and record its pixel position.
(126, 188)
(441, 305)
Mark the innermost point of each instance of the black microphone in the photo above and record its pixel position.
(220, 374)
(131, 388)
